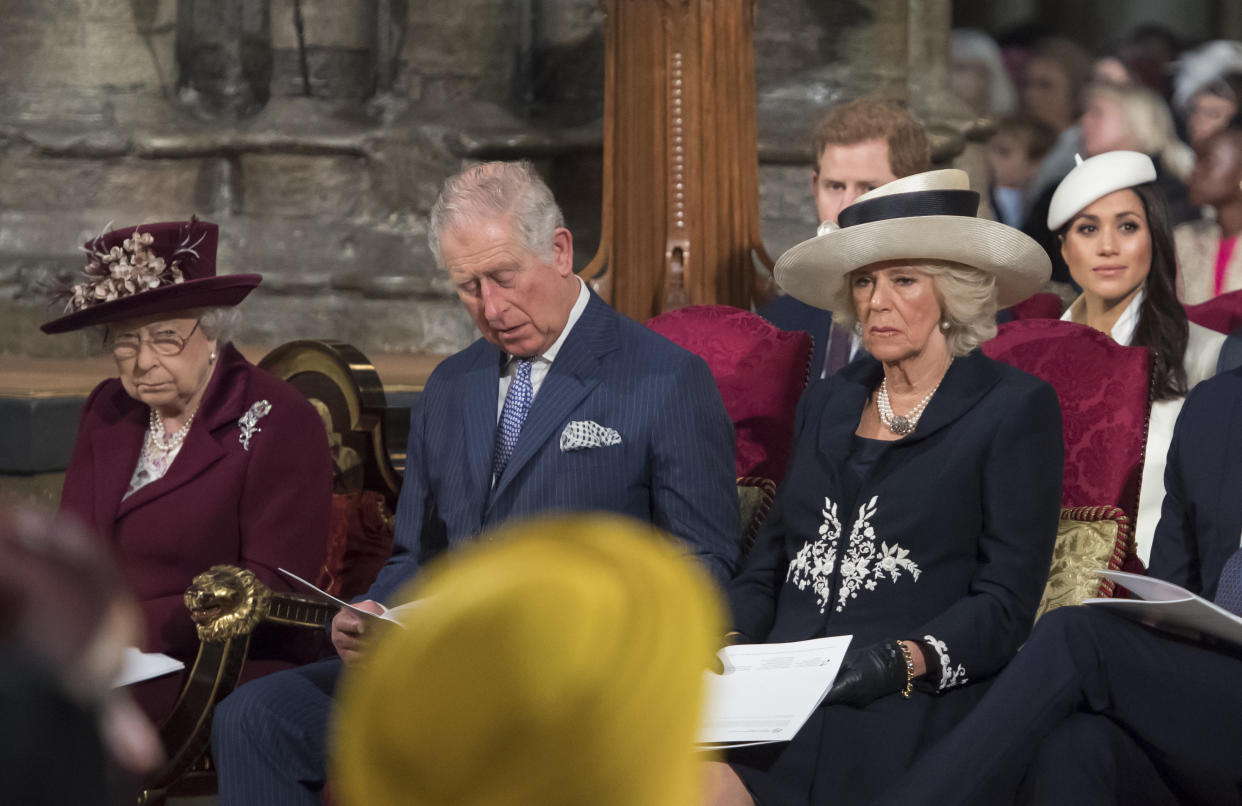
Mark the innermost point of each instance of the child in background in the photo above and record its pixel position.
(1014, 154)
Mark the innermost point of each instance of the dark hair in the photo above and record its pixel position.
(1037, 136)
(1162, 327)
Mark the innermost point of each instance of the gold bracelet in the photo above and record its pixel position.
(905, 651)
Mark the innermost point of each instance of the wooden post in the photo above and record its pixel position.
(681, 169)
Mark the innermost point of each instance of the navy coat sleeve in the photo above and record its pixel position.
(418, 526)
(693, 473)
(752, 596)
(1021, 479)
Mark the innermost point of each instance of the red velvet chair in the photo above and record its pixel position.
(1222, 314)
(1037, 306)
(1104, 390)
(760, 370)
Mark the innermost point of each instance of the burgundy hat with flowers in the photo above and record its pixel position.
(150, 269)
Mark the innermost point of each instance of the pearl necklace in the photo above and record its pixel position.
(167, 443)
(898, 424)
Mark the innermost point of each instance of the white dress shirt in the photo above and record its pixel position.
(543, 362)
(1123, 328)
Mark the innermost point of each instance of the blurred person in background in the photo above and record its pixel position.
(1015, 153)
(1056, 74)
(978, 76)
(70, 738)
(1207, 87)
(1209, 263)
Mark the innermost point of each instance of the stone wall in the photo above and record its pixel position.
(317, 132)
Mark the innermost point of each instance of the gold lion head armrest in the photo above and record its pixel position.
(226, 602)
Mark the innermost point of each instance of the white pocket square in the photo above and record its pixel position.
(581, 434)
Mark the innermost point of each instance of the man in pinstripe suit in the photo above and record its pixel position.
(564, 404)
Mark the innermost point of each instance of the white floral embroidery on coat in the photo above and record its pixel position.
(862, 564)
(949, 676)
(816, 560)
(249, 422)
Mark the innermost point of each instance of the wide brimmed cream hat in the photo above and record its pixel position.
(1093, 179)
(927, 216)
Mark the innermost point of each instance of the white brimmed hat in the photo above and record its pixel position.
(927, 216)
(1095, 178)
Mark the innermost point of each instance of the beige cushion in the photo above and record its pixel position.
(1088, 538)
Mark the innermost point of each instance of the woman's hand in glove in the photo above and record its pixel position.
(870, 673)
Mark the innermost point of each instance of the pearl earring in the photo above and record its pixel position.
(944, 325)
(213, 356)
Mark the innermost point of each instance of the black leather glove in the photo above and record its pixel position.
(868, 674)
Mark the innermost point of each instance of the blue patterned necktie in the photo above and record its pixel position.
(1229, 588)
(517, 404)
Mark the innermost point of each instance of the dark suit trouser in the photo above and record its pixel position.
(1094, 709)
(268, 737)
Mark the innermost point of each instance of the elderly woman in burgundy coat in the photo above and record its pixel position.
(191, 456)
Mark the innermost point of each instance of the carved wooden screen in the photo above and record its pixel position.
(681, 171)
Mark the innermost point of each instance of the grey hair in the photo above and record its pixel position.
(219, 323)
(967, 302)
(491, 190)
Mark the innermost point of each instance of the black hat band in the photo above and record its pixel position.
(909, 205)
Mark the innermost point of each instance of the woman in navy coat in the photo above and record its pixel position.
(922, 501)
(192, 456)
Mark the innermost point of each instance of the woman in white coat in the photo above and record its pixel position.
(1113, 226)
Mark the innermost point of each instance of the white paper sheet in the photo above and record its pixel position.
(768, 691)
(138, 666)
(389, 614)
(1170, 607)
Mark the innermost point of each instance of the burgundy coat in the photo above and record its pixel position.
(261, 508)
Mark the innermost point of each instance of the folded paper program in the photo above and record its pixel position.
(582, 434)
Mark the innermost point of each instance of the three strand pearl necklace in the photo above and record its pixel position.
(172, 441)
(901, 425)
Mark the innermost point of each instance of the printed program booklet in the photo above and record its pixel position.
(1170, 607)
(768, 691)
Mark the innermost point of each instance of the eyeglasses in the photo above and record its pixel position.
(166, 343)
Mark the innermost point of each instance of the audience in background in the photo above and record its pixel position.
(1056, 74)
(978, 76)
(1015, 152)
(65, 620)
(1207, 87)
(1209, 263)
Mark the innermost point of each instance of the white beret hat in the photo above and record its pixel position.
(1094, 179)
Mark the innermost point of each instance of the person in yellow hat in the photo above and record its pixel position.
(560, 662)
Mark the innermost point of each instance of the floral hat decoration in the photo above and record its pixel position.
(149, 269)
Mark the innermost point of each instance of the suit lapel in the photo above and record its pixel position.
(479, 402)
(572, 376)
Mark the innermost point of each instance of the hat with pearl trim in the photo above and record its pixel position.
(1093, 179)
(926, 216)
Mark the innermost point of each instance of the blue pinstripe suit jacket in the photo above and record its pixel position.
(673, 468)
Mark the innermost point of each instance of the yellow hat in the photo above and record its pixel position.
(559, 663)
